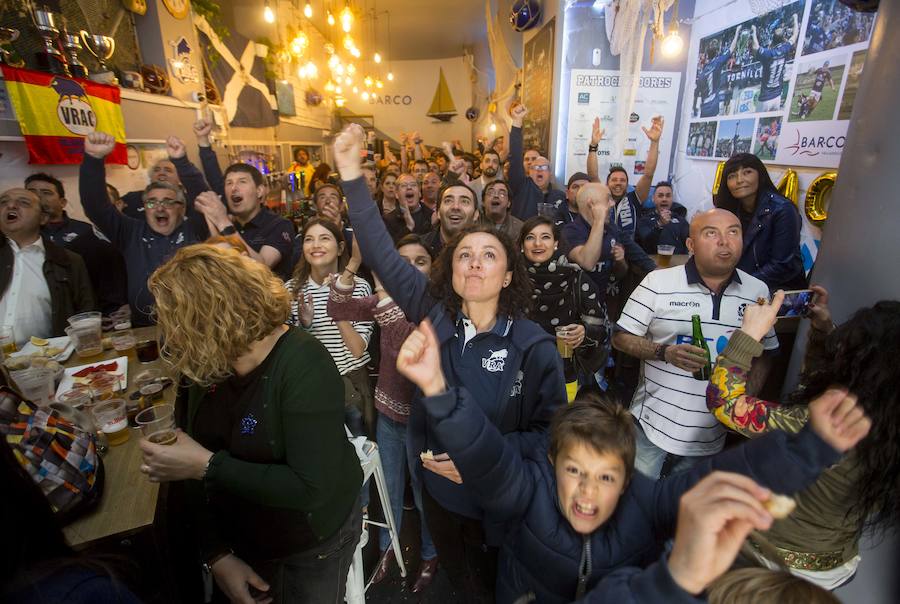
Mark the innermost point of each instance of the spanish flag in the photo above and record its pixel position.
(56, 112)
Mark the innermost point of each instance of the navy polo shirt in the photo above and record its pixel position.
(476, 364)
(266, 228)
(68, 230)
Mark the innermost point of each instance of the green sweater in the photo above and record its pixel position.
(821, 533)
(317, 477)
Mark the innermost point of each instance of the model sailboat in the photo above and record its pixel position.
(442, 107)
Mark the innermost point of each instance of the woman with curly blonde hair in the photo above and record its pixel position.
(270, 474)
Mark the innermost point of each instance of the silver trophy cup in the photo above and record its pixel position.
(102, 47)
(50, 58)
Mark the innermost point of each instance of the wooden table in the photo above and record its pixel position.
(677, 259)
(129, 498)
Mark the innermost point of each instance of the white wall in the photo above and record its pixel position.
(402, 104)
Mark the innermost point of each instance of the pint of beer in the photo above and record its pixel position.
(112, 419)
(562, 346)
(664, 255)
(157, 423)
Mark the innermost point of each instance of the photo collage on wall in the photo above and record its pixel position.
(780, 85)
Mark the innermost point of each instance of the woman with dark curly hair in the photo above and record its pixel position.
(476, 299)
(770, 222)
(819, 541)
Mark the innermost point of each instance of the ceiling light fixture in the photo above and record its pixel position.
(268, 13)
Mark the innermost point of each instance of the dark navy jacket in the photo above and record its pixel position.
(541, 552)
(772, 244)
(649, 234)
(143, 248)
(633, 585)
(532, 385)
(191, 179)
(524, 194)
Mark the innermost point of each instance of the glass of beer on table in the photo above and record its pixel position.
(147, 351)
(664, 253)
(157, 424)
(85, 331)
(562, 345)
(111, 418)
(124, 343)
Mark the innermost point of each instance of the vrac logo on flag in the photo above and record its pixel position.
(74, 107)
(55, 114)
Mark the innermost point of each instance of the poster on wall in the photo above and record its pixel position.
(789, 75)
(538, 88)
(593, 95)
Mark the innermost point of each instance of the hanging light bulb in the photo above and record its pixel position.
(379, 84)
(300, 43)
(312, 72)
(351, 68)
(365, 95)
(334, 61)
(672, 44)
(337, 90)
(330, 19)
(377, 57)
(329, 86)
(301, 72)
(355, 52)
(368, 81)
(307, 10)
(339, 69)
(347, 18)
(268, 13)
(390, 76)
(348, 42)
(348, 80)
(339, 101)
(355, 90)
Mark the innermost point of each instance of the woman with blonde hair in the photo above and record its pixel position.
(272, 480)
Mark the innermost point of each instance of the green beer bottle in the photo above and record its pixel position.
(699, 341)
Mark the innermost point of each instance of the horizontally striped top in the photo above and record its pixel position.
(326, 330)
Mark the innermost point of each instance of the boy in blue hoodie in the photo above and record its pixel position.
(574, 508)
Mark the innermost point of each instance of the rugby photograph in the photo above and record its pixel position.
(816, 90)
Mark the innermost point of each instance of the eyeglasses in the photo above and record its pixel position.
(498, 192)
(541, 167)
(166, 203)
(407, 185)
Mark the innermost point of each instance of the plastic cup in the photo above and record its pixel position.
(111, 417)
(664, 253)
(147, 351)
(90, 316)
(124, 343)
(77, 399)
(7, 339)
(147, 376)
(562, 346)
(36, 385)
(87, 338)
(157, 424)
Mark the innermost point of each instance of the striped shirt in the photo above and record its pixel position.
(326, 330)
(669, 403)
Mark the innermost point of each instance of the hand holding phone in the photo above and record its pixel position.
(796, 303)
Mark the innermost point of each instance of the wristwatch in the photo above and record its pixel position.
(208, 564)
(593, 148)
(229, 230)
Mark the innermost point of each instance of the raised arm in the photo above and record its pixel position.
(593, 169)
(191, 178)
(406, 284)
(208, 159)
(642, 188)
(92, 188)
(518, 180)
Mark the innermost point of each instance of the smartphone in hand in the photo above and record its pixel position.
(796, 303)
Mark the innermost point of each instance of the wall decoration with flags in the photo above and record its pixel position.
(240, 76)
(55, 113)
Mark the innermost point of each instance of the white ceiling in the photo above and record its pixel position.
(420, 29)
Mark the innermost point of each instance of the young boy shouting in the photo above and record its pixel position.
(575, 510)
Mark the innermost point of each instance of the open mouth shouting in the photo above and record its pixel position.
(10, 217)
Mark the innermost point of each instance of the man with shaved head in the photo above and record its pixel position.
(41, 283)
(675, 429)
(595, 243)
(529, 172)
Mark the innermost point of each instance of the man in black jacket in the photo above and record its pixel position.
(41, 284)
(666, 225)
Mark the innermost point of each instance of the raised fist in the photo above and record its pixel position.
(347, 147)
(99, 144)
(175, 147)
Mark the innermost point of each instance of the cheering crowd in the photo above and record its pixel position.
(498, 312)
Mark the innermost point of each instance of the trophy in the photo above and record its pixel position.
(8, 54)
(102, 47)
(50, 59)
(72, 44)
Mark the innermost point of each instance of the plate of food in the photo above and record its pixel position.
(82, 376)
(58, 349)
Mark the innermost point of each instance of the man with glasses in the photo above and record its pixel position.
(496, 210)
(41, 284)
(409, 193)
(528, 190)
(145, 243)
